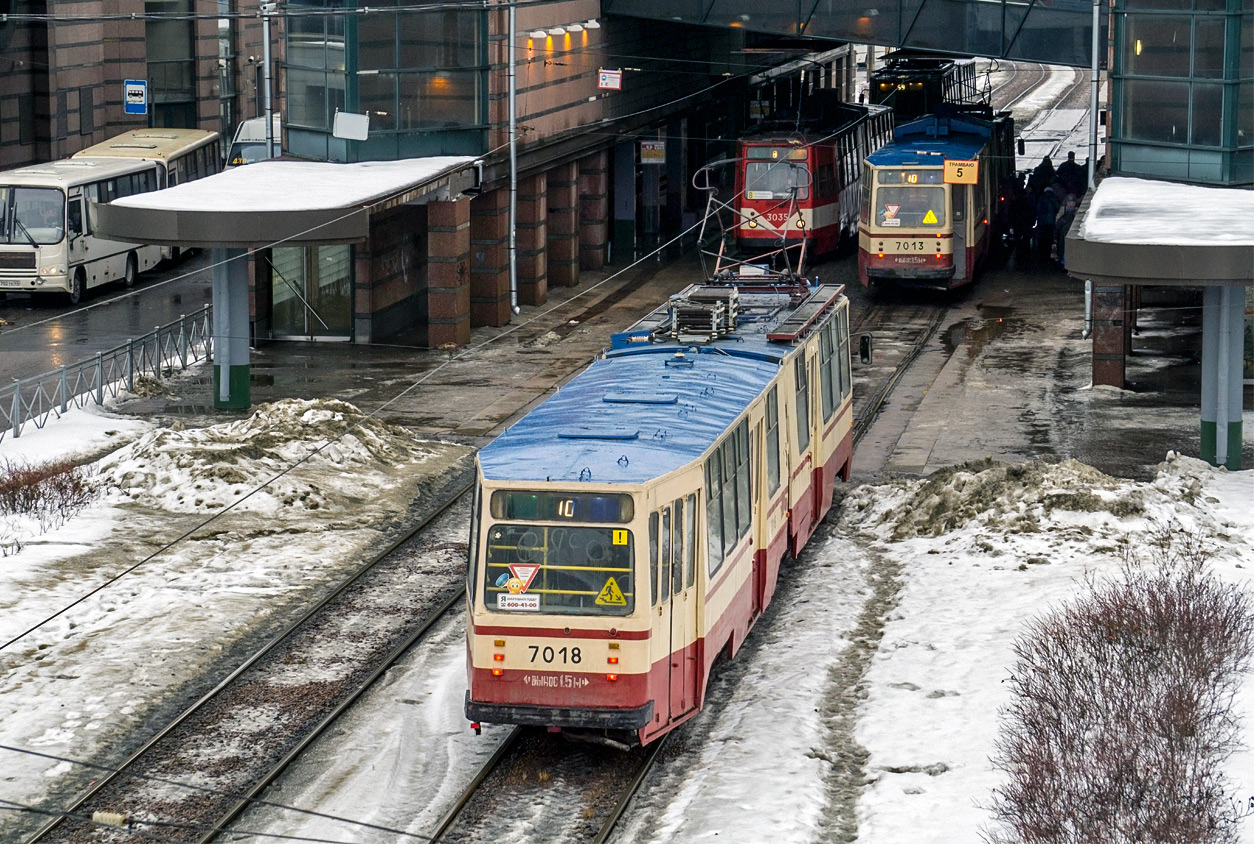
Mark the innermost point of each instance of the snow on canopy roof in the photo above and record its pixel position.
(1145, 211)
(282, 185)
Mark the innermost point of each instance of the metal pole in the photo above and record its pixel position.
(266, 9)
(1223, 381)
(1093, 74)
(511, 48)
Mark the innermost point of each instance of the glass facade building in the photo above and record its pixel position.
(1183, 90)
(421, 78)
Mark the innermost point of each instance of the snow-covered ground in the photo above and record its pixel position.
(864, 707)
(201, 539)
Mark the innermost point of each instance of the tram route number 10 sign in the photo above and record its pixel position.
(962, 172)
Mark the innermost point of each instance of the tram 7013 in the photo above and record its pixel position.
(931, 201)
(797, 179)
(630, 529)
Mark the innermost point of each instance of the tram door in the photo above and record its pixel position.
(677, 580)
(958, 222)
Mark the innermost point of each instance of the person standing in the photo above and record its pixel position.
(1046, 222)
(1066, 215)
(1072, 175)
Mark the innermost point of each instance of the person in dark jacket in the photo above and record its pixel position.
(1072, 175)
(1042, 176)
(1066, 215)
(1046, 219)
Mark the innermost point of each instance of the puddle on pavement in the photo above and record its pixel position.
(976, 333)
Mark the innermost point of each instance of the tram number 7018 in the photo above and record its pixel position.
(550, 655)
(910, 245)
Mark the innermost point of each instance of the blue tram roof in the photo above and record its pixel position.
(933, 139)
(645, 408)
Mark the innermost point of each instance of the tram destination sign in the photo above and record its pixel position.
(962, 172)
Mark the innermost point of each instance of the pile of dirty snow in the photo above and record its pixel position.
(287, 459)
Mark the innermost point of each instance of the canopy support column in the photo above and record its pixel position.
(230, 328)
(1223, 316)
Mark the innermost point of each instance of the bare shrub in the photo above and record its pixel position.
(1122, 707)
(50, 493)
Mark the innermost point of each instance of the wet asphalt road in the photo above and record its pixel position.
(41, 333)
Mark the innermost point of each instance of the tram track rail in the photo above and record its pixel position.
(503, 780)
(370, 616)
(576, 791)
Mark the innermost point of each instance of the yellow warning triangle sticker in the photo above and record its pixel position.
(611, 595)
(930, 219)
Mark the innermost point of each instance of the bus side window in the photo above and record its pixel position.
(75, 210)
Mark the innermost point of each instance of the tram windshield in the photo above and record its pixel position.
(776, 180)
(559, 570)
(911, 206)
(31, 216)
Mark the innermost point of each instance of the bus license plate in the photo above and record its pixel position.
(10, 282)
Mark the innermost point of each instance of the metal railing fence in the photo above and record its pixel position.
(39, 398)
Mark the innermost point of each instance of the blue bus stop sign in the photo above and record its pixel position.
(135, 96)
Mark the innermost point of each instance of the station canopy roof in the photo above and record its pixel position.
(1144, 231)
(282, 200)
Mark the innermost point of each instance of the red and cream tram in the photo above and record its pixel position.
(798, 180)
(631, 528)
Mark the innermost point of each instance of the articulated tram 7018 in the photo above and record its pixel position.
(631, 528)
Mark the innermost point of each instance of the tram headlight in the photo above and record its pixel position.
(753, 223)
(801, 224)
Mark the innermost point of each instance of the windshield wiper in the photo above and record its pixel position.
(18, 224)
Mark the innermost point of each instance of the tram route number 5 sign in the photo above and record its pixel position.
(962, 172)
(135, 96)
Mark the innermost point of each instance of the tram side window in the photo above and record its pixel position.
(826, 179)
(744, 501)
(772, 441)
(842, 336)
(803, 402)
(690, 539)
(679, 548)
(653, 561)
(472, 547)
(864, 191)
(714, 512)
(827, 388)
(730, 489)
(664, 570)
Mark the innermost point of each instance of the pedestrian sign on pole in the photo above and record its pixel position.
(610, 80)
(135, 96)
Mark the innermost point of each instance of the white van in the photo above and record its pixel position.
(250, 141)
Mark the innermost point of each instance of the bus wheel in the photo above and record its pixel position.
(77, 284)
(131, 271)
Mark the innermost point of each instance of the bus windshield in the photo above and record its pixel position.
(911, 206)
(31, 216)
(776, 180)
(559, 570)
